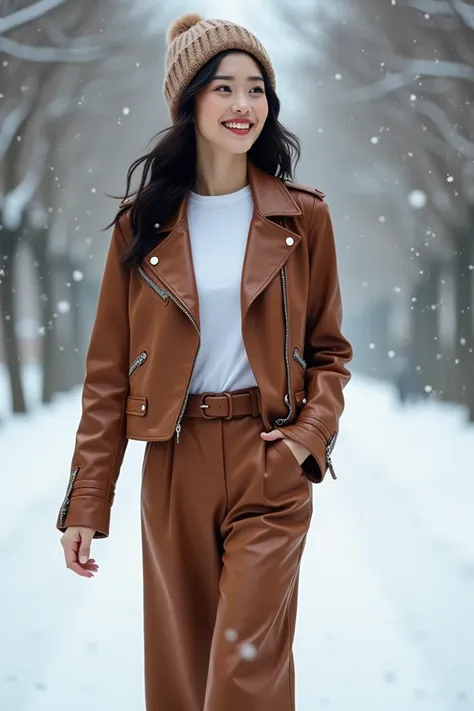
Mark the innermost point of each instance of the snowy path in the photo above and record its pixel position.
(386, 617)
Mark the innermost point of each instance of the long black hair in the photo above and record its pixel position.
(169, 169)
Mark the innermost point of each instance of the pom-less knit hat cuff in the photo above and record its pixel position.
(193, 41)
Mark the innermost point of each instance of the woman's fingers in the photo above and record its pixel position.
(71, 563)
(74, 545)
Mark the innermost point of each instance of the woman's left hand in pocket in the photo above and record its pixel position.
(299, 451)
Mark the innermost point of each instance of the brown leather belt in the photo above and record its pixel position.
(225, 405)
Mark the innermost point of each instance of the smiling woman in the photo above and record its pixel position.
(235, 100)
(217, 342)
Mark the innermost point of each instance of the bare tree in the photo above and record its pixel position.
(405, 77)
(53, 53)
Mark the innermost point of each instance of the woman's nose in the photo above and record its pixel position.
(241, 108)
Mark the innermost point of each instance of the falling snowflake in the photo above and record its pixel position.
(375, 140)
(64, 307)
(417, 199)
(125, 110)
(428, 389)
(391, 354)
(248, 651)
(77, 275)
(231, 635)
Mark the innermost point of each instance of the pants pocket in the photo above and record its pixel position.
(283, 475)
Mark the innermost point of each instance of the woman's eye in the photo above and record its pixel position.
(257, 89)
(223, 88)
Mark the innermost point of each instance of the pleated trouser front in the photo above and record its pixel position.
(224, 522)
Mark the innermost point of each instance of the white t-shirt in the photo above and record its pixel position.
(218, 228)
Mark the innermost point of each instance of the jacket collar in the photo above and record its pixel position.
(266, 253)
(270, 196)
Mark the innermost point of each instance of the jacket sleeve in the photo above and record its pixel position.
(101, 435)
(326, 351)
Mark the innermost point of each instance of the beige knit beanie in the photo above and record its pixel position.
(193, 41)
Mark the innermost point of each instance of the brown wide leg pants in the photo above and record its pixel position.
(224, 521)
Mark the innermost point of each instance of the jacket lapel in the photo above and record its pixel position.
(267, 247)
(175, 264)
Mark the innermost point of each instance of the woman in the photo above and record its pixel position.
(217, 341)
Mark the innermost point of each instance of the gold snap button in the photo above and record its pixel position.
(154, 261)
(290, 241)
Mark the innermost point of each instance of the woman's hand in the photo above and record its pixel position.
(76, 543)
(298, 450)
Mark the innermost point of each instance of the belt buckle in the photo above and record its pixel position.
(203, 405)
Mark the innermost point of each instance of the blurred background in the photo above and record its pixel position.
(381, 93)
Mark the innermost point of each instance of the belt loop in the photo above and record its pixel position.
(254, 403)
(230, 406)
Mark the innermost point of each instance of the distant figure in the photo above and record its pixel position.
(403, 376)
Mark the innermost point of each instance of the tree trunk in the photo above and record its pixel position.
(426, 341)
(8, 311)
(463, 370)
(48, 350)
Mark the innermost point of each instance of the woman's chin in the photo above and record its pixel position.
(238, 147)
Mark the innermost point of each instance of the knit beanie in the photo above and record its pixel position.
(193, 41)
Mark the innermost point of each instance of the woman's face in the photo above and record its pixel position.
(232, 109)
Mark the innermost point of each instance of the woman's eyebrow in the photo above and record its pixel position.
(228, 77)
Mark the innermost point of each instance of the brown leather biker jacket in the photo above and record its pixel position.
(146, 337)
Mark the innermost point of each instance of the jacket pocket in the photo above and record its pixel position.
(136, 406)
(137, 363)
(67, 498)
(297, 355)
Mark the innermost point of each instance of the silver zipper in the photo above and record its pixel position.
(329, 448)
(283, 420)
(167, 295)
(299, 358)
(67, 498)
(137, 363)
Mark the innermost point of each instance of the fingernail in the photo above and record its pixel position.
(83, 559)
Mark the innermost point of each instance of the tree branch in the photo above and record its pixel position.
(15, 118)
(413, 69)
(16, 201)
(433, 7)
(445, 127)
(51, 54)
(465, 12)
(28, 14)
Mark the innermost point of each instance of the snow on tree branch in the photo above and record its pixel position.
(446, 8)
(445, 127)
(412, 70)
(28, 14)
(16, 201)
(14, 119)
(51, 54)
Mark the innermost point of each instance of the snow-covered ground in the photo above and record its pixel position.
(386, 616)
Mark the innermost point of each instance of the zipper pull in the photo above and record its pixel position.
(330, 466)
(178, 431)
